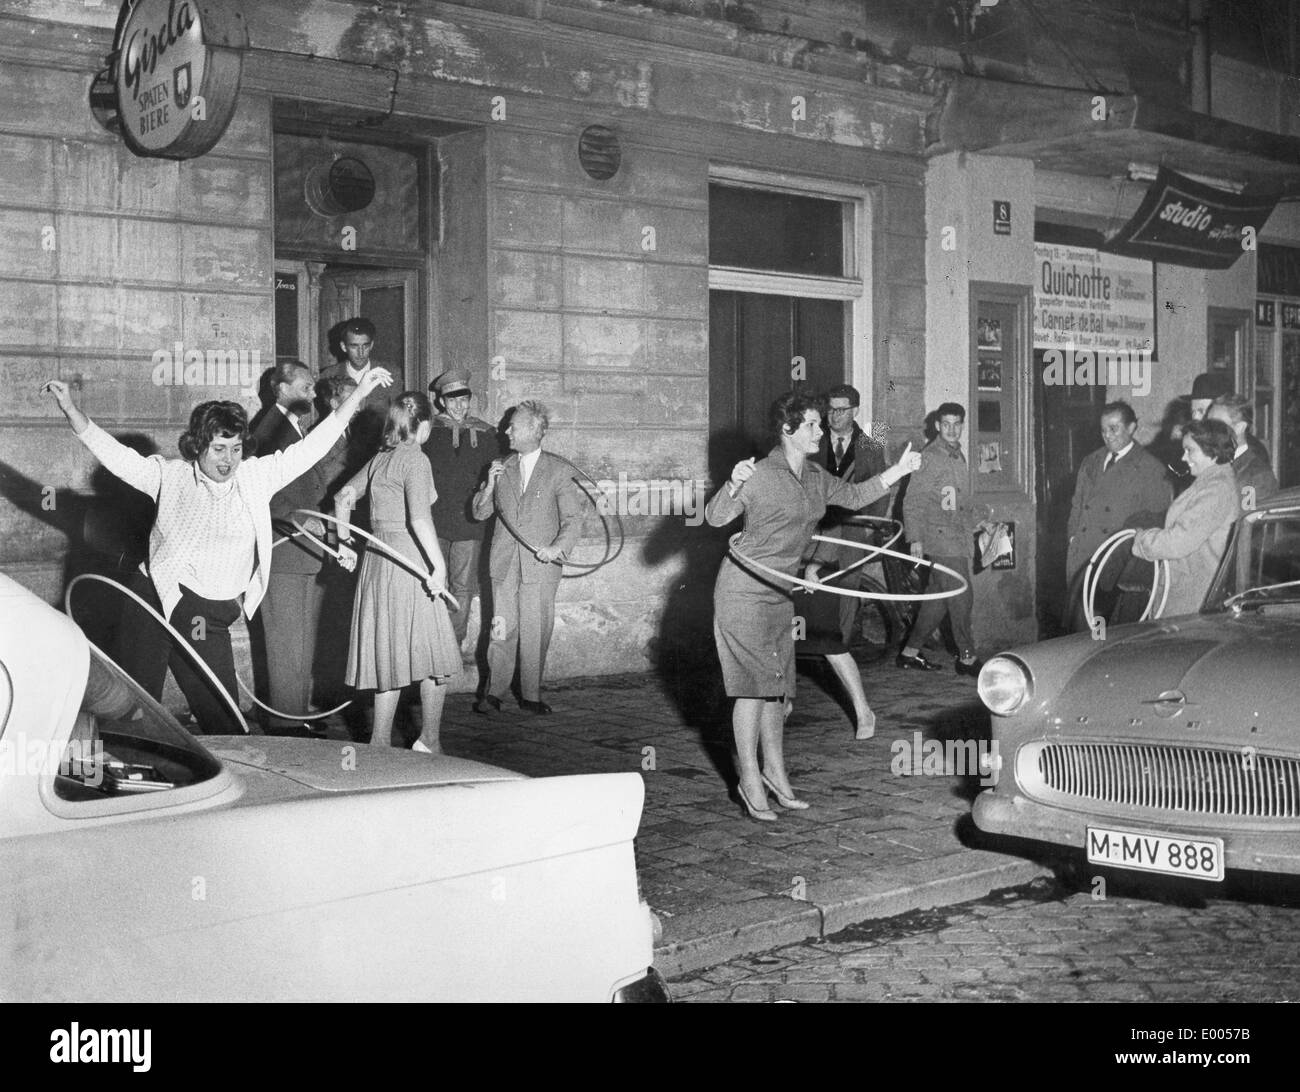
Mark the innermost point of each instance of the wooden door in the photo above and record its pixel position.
(1067, 426)
(387, 297)
(758, 345)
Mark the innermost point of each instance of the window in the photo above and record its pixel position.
(124, 743)
(777, 232)
(788, 307)
(998, 434)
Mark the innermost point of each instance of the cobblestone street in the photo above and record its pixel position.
(1040, 942)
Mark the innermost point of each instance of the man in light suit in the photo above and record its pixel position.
(535, 494)
(291, 608)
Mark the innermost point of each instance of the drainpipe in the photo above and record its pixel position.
(1198, 22)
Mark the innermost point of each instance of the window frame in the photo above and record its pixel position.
(853, 289)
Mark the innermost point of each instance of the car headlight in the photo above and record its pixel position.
(1005, 685)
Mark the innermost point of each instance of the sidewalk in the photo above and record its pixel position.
(874, 843)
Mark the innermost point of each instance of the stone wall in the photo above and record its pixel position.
(111, 260)
(589, 295)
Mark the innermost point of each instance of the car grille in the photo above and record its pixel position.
(1203, 780)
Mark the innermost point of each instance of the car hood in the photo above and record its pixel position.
(1211, 673)
(331, 766)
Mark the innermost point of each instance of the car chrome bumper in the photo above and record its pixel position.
(999, 811)
(649, 990)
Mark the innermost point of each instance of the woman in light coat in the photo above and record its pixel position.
(1197, 523)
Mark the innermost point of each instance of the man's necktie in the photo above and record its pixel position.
(1110, 461)
(839, 449)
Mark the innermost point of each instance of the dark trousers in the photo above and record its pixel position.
(462, 558)
(958, 607)
(146, 650)
(289, 614)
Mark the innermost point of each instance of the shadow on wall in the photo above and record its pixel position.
(107, 533)
(683, 652)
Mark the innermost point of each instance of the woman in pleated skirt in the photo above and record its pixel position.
(401, 631)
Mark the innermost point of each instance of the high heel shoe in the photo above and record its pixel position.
(763, 815)
(791, 802)
(866, 726)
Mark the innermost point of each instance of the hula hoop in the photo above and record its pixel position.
(854, 593)
(1089, 587)
(875, 550)
(180, 640)
(395, 555)
(587, 568)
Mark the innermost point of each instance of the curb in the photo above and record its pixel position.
(709, 937)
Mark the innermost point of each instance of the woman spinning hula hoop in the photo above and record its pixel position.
(401, 631)
(782, 498)
(210, 538)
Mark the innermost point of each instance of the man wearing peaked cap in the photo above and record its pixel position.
(460, 448)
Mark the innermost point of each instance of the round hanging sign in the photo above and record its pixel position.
(177, 72)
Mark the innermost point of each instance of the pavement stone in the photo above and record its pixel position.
(873, 844)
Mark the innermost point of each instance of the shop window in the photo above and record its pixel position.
(996, 420)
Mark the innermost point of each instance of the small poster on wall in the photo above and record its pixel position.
(989, 373)
(990, 333)
(990, 457)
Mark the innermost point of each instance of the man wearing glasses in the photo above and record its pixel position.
(849, 452)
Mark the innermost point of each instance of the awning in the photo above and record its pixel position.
(1057, 130)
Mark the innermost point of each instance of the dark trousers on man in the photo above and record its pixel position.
(462, 558)
(289, 615)
(522, 622)
(958, 608)
(146, 650)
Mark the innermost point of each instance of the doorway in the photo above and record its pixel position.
(762, 346)
(387, 297)
(1066, 428)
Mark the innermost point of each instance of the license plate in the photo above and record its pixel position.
(1197, 858)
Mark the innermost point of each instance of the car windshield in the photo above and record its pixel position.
(125, 742)
(1261, 564)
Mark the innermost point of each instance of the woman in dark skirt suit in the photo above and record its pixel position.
(401, 632)
(782, 498)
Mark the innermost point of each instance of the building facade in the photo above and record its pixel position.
(655, 217)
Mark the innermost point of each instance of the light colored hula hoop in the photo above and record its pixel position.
(248, 692)
(875, 550)
(288, 716)
(854, 593)
(587, 567)
(1089, 588)
(180, 640)
(395, 555)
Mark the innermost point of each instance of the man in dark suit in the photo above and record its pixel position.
(1256, 481)
(291, 608)
(849, 452)
(367, 428)
(1209, 387)
(1119, 485)
(536, 496)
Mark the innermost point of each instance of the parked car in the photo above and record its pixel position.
(1170, 746)
(140, 863)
